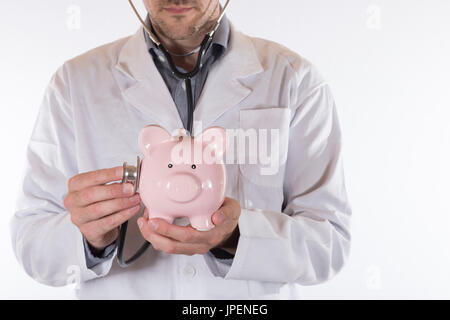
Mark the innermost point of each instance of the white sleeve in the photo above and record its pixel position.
(309, 241)
(46, 243)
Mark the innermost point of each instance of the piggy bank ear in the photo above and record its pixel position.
(151, 136)
(214, 140)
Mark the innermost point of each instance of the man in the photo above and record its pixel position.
(273, 233)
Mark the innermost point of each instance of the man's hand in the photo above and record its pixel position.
(98, 209)
(171, 238)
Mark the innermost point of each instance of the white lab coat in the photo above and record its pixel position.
(294, 225)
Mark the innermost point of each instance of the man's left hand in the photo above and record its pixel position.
(174, 239)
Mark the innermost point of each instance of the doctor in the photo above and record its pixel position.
(273, 233)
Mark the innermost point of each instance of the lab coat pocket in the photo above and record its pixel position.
(262, 145)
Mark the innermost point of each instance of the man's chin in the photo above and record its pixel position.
(175, 34)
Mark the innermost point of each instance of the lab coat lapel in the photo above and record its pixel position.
(222, 89)
(143, 86)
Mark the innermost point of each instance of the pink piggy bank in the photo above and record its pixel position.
(183, 176)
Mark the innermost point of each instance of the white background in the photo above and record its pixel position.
(388, 65)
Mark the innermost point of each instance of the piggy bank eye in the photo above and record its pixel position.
(170, 165)
(193, 166)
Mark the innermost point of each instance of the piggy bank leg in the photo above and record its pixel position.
(201, 222)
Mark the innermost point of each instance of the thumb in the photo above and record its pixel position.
(218, 217)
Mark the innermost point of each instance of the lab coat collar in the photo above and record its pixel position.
(222, 91)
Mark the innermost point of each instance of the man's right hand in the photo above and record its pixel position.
(98, 209)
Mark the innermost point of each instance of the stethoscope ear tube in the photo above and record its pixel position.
(131, 175)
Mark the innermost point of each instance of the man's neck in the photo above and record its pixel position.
(182, 47)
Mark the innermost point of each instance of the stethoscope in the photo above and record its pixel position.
(131, 174)
(202, 49)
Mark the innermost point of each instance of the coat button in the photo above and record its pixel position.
(189, 271)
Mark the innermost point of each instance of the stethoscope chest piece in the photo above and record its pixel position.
(131, 174)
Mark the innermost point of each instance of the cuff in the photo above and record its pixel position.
(99, 270)
(221, 254)
(255, 242)
(92, 259)
(218, 267)
(219, 260)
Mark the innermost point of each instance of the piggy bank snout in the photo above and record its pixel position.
(183, 187)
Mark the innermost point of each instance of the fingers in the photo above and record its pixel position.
(94, 194)
(105, 208)
(174, 239)
(168, 245)
(179, 233)
(93, 178)
(97, 206)
(109, 223)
